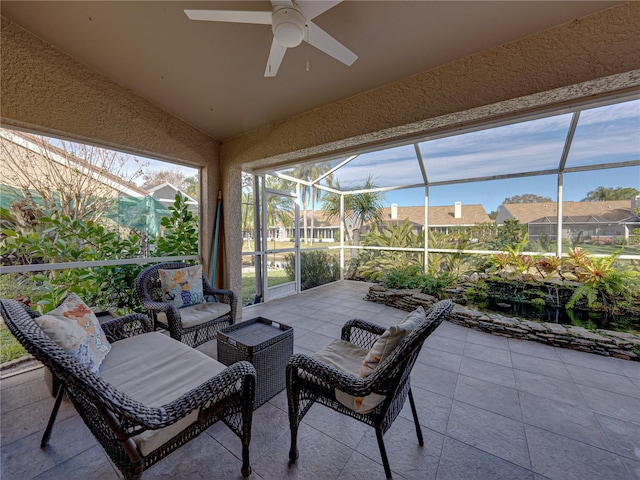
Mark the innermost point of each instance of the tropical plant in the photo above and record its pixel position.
(247, 206)
(549, 266)
(521, 263)
(399, 235)
(510, 233)
(499, 262)
(280, 209)
(603, 283)
(409, 276)
(578, 258)
(309, 195)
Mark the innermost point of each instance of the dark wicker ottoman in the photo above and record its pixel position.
(266, 344)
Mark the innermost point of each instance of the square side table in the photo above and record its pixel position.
(266, 344)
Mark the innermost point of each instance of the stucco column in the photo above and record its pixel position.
(232, 213)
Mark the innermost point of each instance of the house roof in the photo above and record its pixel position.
(35, 144)
(573, 212)
(441, 216)
(173, 188)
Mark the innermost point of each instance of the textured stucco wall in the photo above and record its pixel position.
(587, 58)
(46, 91)
(43, 88)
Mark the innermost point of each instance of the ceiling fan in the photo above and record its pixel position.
(291, 24)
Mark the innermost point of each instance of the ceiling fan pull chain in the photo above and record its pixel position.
(306, 32)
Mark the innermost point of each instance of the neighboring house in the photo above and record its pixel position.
(165, 193)
(133, 209)
(443, 219)
(591, 222)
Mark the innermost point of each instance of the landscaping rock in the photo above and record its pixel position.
(601, 342)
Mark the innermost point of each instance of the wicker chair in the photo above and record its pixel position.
(310, 380)
(133, 434)
(192, 331)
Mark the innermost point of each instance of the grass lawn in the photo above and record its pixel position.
(276, 277)
(10, 349)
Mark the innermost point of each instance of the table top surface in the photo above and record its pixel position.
(255, 333)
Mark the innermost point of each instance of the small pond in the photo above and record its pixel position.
(559, 314)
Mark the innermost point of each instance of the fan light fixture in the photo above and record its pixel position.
(288, 26)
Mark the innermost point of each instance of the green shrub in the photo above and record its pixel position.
(62, 239)
(180, 231)
(436, 286)
(316, 268)
(413, 277)
(407, 277)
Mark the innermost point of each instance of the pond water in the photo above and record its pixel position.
(559, 314)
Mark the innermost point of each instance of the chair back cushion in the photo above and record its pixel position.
(182, 287)
(74, 327)
(389, 340)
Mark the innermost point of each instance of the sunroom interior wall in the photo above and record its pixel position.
(43, 90)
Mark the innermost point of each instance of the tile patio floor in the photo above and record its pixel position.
(491, 408)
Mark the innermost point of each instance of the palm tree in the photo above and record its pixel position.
(308, 193)
(247, 205)
(359, 210)
(279, 208)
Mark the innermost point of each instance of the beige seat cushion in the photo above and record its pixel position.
(154, 369)
(198, 314)
(347, 357)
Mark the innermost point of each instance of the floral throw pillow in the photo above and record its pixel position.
(182, 287)
(74, 327)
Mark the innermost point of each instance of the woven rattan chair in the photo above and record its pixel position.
(133, 434)
(312, 381)
(182, 325)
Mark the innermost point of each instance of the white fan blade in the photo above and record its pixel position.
(329, 45)
(312, 9)
(233, 16)
(275, 58)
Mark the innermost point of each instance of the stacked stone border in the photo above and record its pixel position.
(602, 342)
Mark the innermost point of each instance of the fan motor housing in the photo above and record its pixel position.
(288, 26)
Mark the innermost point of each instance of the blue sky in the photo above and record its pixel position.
(604, 135)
